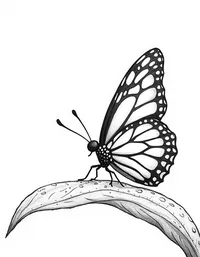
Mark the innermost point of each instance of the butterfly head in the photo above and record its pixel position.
(93, 146)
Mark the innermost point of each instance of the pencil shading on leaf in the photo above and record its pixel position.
(150, 206)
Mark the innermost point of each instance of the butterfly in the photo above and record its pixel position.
(133, 140)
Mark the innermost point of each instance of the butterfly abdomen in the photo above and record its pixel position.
(104, 155)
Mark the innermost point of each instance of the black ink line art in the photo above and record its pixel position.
(135, 143)
(133, 140)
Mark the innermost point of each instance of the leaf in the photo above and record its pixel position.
(150, 206)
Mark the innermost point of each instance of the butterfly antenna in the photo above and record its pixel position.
(76, 115)
(60, 124)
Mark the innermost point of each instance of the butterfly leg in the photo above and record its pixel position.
(93, 166)
(96, 173)
(112, 172)
(111, 181)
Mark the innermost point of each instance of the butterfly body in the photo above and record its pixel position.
(133, 140)
(104, 156)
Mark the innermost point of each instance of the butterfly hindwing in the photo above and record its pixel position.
(140, 94)
(144, 151)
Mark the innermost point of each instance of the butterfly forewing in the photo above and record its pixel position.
(144, 151)
(140, 94)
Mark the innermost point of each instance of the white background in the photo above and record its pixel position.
(60, 55)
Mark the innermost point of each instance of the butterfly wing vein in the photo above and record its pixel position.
(143, 148)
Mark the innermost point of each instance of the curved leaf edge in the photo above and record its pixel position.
(153, 207)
